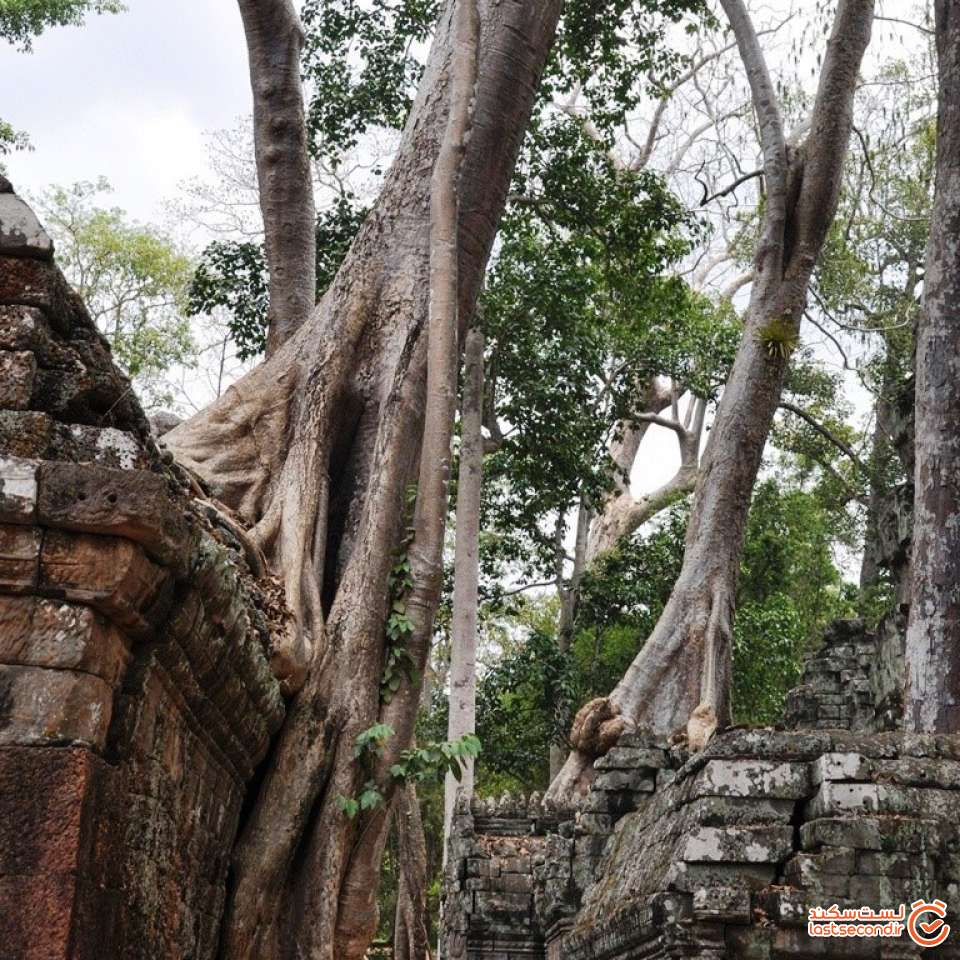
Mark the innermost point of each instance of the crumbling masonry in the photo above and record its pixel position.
(136, 702)
(136, 698)
(724, 853)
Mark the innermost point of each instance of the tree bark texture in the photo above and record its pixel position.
(681, 677)
(411, 938)
(932, 694)
(274, 37)
(316, 449)
(466, 578)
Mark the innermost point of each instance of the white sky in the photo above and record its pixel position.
(130, 97)
(127, 97)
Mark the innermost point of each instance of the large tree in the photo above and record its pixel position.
(681, 677)
(932, 695)
(316, 450)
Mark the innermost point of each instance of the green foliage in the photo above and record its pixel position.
(523, 705)
(426, 764)
(779, 337)
(398, 664)
(131, 276)
(580, 314)
(612, 53)
(433, 761)
(12, 139)
(23, 20)
(232, 275)
(360, 65)
(769, 640)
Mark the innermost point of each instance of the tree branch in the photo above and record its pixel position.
(753, 174)
(772, 139)
(828, 435)
(274, 37)
(830, 124)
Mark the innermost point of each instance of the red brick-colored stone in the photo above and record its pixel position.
(42, 797)
(38, 706)
(108, 573)
(50, 633)
(19, 558)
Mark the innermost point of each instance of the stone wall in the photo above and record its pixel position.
(136, 699)
(721, 856)
(836, 689)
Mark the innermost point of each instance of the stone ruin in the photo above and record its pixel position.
(724, 853)
(137, 700)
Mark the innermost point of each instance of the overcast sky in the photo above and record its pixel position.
(127, 97)
(130, 96)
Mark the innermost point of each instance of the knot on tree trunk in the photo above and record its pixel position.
(597, 727)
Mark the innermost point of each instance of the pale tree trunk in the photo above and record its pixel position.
(274, 37)
(932, 694)
(569, 595)
(411, 938)
(316, 449)
(466, 576)
(881, 451)
(681, 677)
(624, 514)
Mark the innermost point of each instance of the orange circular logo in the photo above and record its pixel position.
(930, 931)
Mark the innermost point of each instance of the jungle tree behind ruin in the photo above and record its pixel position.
(932, 695)
(681, 677)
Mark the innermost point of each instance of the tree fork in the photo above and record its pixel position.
(680, 680)
(315, 449)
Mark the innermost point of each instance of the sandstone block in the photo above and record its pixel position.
(860, 833)
(763, 844)
(730, 904)
(841, 766)
(34, 283)
(42, 794)
(18, 490)
(26, 434)
(635, 779)
(21, 328)
(19, 558)
(21, 234)
(631, 758)
(135, 504)
(691, 877)
(43, 706)
(109, 573)
(752, 778)
(46, 633)
(17, 372)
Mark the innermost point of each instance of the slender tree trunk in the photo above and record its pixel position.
(608, 527)
(411, 938)
(315, 449)
(881, 452)
(274, 38)
(932, 694)
(681, 677)
(466, 583)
